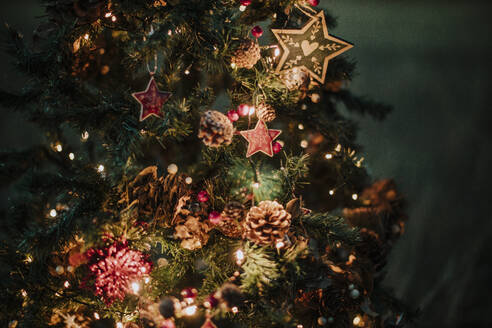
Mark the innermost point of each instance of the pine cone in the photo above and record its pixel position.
(153, 197)
(265, 112)
(267, 223)
(233, 215)
(191, 224)
(296, 79)
(247, 55)
(215, 129)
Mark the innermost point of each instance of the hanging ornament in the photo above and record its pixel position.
(243, 110)
(151, 100)
(247, 55)
(310, 47)
(277, 147)
(267, 223)
(260, 139)
(233, 216)
(215, 129)
(296, 78)
(114, 268)
(265, 112)
(203, 196)
(233, 115)
(189, 294)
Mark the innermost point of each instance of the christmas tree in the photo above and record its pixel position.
(198, 168)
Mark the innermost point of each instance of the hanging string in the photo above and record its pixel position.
(152, 72)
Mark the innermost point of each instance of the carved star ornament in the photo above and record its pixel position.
(310, 47)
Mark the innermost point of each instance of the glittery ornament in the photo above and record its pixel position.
(114, 268)
(203, 196)
(313, 3)
(245, 2)
(277, 147)
(260, 139)
(215, 129)
(151, 100)
(243, 110)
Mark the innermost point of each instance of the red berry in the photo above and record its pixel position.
(277, 147)
(313, 3)
(214, 217)
(203, 196)
(257, 31)
(243, 110)
(233, 115)
(245, 2)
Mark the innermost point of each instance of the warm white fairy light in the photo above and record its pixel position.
(119, 325)
(169, 32)
(251, 110)
(331, 192)
(85, 136)
(187, 72)
(235, 309)
(86, 36)
(96, 316)
(59, 269)
(113, 19)
(53, 213)
(23, 293)
(147, 280)
(276, 52)
(71, 156)
(328, 156)
(239, 257)
(70, 269)
(304, 144)
(256, 185)
(100, 168)
(135, 287)
(357, 320)
(338, 148)
(300, 126)
(58, 147)
(109, 14)
(66, 284)
(172, 169)
(190, 310)
(300, 326)
(242, 8)
(355, 196)
(188, 180)
(279, 244)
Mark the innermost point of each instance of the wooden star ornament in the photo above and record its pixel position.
(151, 100)
(310, 47)
(260, 139)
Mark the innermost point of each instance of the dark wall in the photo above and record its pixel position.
(431, 60)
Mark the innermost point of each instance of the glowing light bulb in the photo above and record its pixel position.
(23, 293)
(108, 15)
(172, 169)
(190, 310)
(113, 18)
(147, 280)
(256, 185)
(143, 269)
(304, 144)
(71, 156)
(169, 32)
(242, 8)
(235, 309)
(239, 256)
(300, 126)
(96, 316)
(251, 110)
(85, 136)
(280, 244)
(233, 65)
(100, 168)
(338, 148)
(331, 192)
(328, 156)
(86, 36)
(357, 320)
(188, 180)
(187, 72)
(135, 287)
(53, 213)
(276, 52)
(355, 196)
(300, 326)
(119, 325)
(66, 284)
(58, 147)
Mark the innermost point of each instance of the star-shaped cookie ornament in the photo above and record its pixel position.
(151, 100)
(260, 139)
(310, 47)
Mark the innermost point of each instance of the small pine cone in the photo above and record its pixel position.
(267, 223)
(233, 215)
(296, 79)
(247, 55)
(215, 129)
(192, 227)
(265, 112)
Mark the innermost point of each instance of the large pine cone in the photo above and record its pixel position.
(153, 197)
(215, 129)
(233, 215)
(247, 55)
(267, 223)
(191, 224)
(265, 112)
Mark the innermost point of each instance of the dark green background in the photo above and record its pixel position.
(432, 60)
